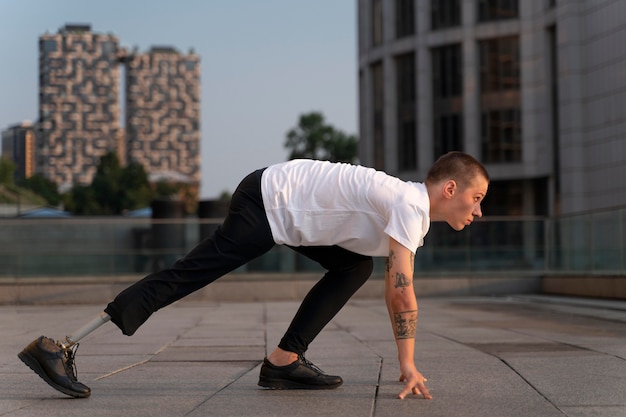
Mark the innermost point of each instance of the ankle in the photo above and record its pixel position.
(280, 357)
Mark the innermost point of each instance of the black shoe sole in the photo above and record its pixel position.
(33, 364)
(280, 383)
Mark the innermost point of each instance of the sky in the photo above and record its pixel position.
(264, 63)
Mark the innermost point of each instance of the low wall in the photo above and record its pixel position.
(246, 287)
(584, 286)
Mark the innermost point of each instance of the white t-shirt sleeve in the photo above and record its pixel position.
(407, 226)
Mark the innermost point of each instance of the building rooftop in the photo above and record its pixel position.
(163, 49)
(75, 28)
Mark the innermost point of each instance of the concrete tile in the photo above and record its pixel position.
(245, 398)
(211, 354)
(575, 380)
(482, 356)
(224, 340)
(608, 411)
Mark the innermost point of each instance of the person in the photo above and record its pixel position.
(337, 214)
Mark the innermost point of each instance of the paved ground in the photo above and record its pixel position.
(517, 356)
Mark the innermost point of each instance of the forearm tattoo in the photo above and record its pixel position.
(405, 324)
(402, 281)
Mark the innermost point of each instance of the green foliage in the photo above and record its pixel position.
(81, 200)
(12, 194)
(106, 185)
(113, 189)
(225, 195)
(165, 189)
(7, 170)
(314, 139)
(43, 187)
(136, 192)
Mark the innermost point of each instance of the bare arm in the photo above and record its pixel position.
(402, 307)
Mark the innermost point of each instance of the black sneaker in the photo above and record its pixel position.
(301, 374)
(55, 365)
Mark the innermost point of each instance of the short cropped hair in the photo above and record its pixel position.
(457, 166)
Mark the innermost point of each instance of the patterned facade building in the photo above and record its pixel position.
(163, 114)
(78, 103)
(18, 146)
(79, 108)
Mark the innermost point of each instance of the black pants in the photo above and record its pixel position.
(245, 235)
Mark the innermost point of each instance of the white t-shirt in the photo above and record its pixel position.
(318, 203)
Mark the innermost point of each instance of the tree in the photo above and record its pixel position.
(7, 170)
(107, 186)
(136, 191)
(314, 139)
(42, 186)
(113, 189)
(165, 189)
(81, 200)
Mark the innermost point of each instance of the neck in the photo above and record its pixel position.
(432, 198)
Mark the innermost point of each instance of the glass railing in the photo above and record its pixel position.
(591, 243)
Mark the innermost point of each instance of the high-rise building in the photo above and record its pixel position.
(17, 145)
(163, 113)
(79, 115)
(534, 89)
(78, 103)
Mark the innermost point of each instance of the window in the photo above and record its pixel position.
(49, 45)
(190, 65)
(405, 75)
(499, 64)
(489, 10)
(407, 145)
(445, 13)
(406, 96)
(501, 135)
(500, 100)
(447, 99)
(379, 139)
(447, 71)
(405, 18)
(505, 198)
(108, 48)
(448, 134)
(377, 22)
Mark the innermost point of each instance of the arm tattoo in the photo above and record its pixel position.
(402, 281)
(389, 261)
(405, 324)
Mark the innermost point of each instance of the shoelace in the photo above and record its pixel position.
(70, 364)
(311, 365)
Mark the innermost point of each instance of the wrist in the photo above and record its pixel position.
(406, 350)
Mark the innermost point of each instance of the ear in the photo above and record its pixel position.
(449, 188)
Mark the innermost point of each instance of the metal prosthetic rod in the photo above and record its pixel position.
(72, 339)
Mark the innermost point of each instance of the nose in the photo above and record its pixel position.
(477, 211)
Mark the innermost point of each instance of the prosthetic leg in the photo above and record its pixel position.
(73, 338)
(54, 361)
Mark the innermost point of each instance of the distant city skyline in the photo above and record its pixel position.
(263, 64)
(80, 73)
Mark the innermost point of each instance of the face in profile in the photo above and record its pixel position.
(464, 203)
